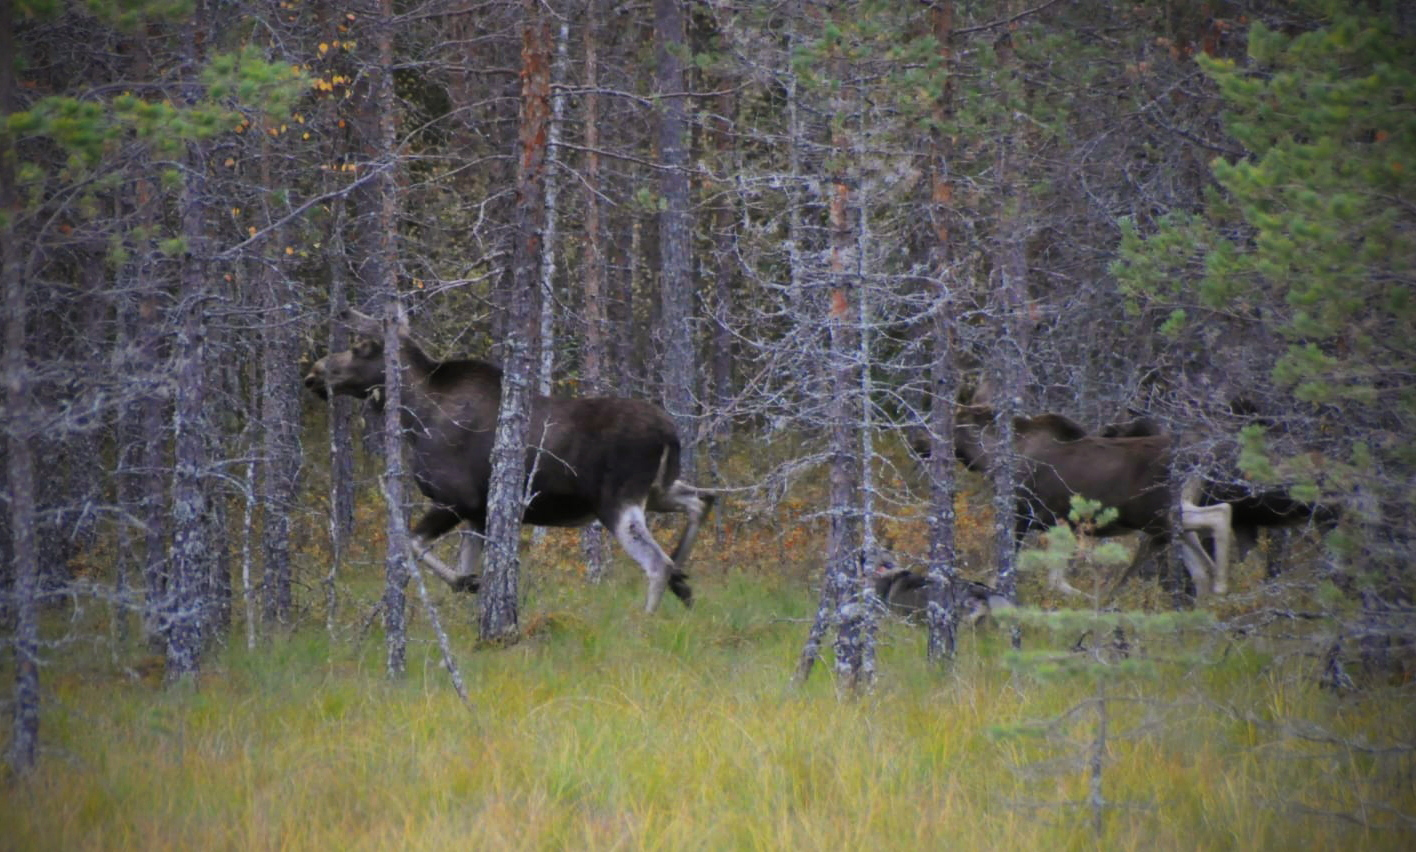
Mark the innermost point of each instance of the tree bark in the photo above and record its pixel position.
(546, 334)
(497, 617)
(596, 317)
(724, 268)
(675, 228)
(941, 615)
(19, 459)
(381, 273)
(844, 549)
(1009, 356)
(192, 548)
(280, 412)
(341, 439)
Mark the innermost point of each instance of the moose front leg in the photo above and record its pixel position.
(428, 529)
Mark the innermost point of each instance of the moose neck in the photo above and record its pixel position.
(414, 368)
(969, 447)
(417, 366)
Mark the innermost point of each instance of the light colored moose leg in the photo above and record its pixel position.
(633, 535)
(1216, 520)
(468, 553)
(1197, 562)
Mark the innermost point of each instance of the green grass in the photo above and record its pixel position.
(608, 729)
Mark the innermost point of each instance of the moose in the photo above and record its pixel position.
(906, 594)
(1252, 508)
(595, 458)
(1059, 459)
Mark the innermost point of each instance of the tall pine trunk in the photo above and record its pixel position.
(941, 615)
(377, 226)
(19, 459)
(191, 562)
(280, 412)
(675, 228)
(596, 316)
(341, 439)
(497, 617)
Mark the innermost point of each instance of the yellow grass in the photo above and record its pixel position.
(608, 729)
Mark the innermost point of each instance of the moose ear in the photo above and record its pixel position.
(363, 324)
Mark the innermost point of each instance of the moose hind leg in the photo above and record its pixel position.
(1221, 518)
(634, 537)
(694, 503)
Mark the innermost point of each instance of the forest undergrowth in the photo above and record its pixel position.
(606, 728)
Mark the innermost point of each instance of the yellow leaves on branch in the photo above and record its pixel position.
(320, 84)
(325, 47)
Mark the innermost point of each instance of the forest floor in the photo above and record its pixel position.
(604, 728)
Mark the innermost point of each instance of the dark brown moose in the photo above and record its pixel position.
(1253, 507)
(600, 458)
(1059, 458)
(906, 594)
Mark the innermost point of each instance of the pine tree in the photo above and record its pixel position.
(1312, 236)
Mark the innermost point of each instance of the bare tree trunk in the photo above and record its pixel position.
(341, 441)
(1009, 356)
(845, 551)
(631, 357)
(675, 228)
(724, 268)
(941, 615)
(546, 333)
(382, 275)
(280, 412)
(592, 538)
(151, 452)
(546, 337)
(192, 548)
(1008, 369)
(831, 589)
(19, 460)
(248, 592)
(396, 568)
(497, 618)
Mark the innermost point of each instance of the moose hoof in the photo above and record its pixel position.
(678, 584)
(465, 584)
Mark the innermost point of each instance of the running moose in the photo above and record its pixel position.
(600, 458)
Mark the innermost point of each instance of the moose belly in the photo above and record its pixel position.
(559, 511)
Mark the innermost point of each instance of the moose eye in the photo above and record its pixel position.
(366, 349)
